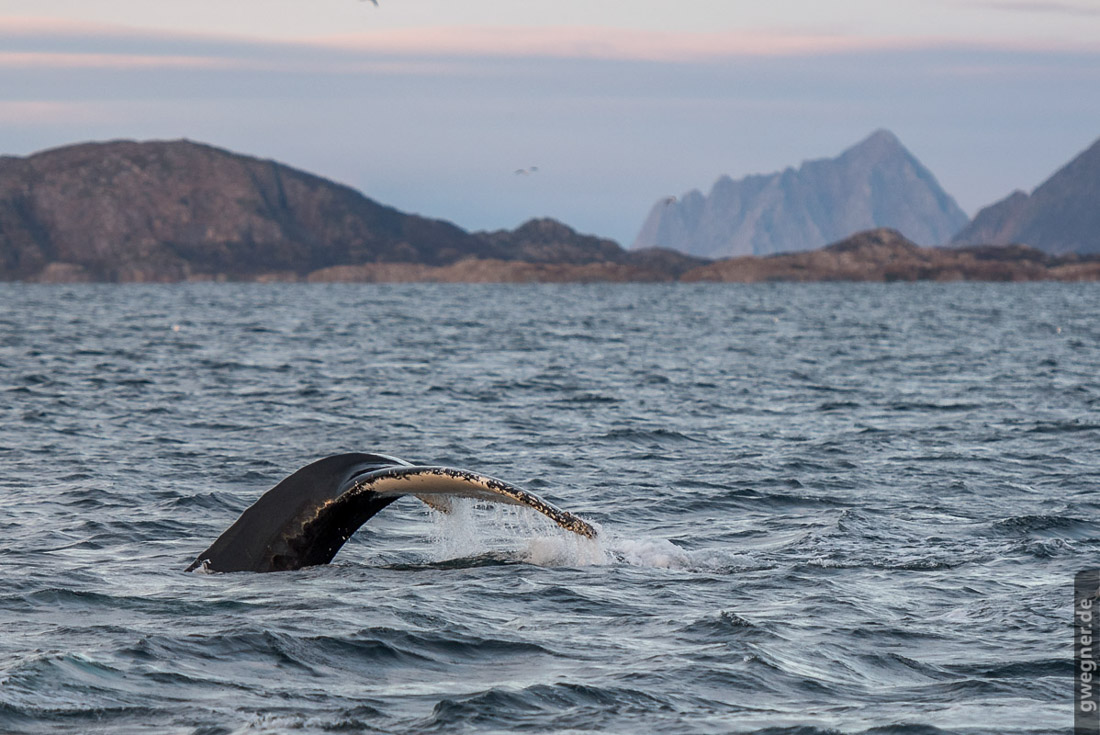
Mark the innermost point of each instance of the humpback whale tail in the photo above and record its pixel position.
(306, 518)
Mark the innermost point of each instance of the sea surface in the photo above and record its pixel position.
(823, 508)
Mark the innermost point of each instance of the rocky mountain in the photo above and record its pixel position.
(883, 255)
(171, 211)
(1062, 215)
(178, 210)
(165, 211)
(876, 183)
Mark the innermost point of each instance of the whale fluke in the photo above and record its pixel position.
(306, 518)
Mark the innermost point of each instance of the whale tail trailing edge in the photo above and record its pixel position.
(306, 518)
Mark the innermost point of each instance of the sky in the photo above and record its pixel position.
(431, 106)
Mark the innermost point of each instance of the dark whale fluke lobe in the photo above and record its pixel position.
(306, 518)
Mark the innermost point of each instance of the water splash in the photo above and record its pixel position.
(474, 529)
(569, 550)
(647, 552)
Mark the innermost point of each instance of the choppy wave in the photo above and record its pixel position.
(823, 509)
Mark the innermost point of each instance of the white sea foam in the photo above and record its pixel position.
(473, 529)
(647, 552)
(566, 550)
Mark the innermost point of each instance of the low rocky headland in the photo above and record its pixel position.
(884, 255)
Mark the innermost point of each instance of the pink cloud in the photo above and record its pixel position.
(138, 62)
(568, 42)
(586, 42)
(607, 43)
(435, 50)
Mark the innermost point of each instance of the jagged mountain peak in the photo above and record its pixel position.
(875, 183)
(882, 141)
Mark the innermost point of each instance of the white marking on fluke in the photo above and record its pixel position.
(434, 486)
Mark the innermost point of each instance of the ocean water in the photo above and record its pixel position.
(823, 508)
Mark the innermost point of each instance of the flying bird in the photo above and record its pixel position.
(527, 171)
